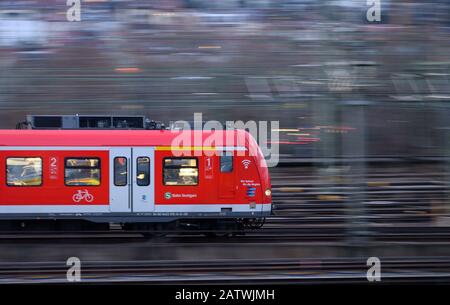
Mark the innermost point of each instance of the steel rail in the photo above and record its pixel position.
(344, 269)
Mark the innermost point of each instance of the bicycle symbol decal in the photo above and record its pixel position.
(82, 195)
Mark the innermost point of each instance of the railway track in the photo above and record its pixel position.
(389, 196)
(398, 207)
(404, 269)
(280, 235)
(310, 220)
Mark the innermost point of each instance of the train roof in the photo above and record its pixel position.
(27, 137)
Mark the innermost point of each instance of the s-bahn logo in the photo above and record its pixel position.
(167, 195)
(82, 195)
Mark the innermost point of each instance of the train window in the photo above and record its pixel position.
(82, 171)
(226, 164)
(24, 171)
(120, 171)
(180, 171)
(143, 171)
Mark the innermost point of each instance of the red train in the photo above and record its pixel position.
(136, 178)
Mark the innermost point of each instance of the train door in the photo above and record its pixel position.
(120, 181)
(143, 178)
(227, 183)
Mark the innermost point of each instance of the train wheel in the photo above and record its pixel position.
(147, 230)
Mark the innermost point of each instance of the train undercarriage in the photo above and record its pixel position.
(207, 226)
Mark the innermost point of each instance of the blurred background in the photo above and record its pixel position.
(364, 107)
(315, 66)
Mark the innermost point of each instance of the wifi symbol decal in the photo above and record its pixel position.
(246, 163)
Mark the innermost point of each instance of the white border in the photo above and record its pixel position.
(52, 209)
(211, 208)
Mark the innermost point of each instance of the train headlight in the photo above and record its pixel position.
(268, 192)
